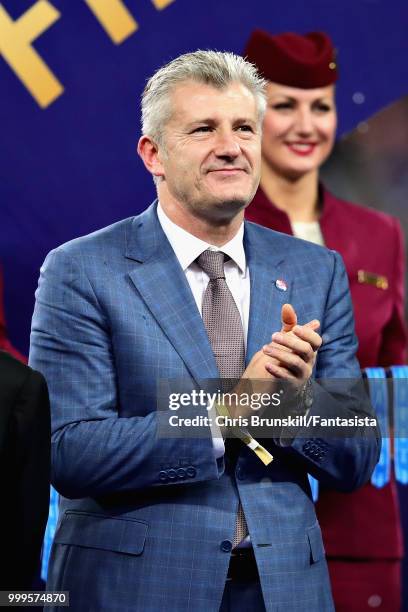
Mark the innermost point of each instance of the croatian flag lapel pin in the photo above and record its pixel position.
(281, 285)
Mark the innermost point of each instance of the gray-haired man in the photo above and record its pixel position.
(187, 291)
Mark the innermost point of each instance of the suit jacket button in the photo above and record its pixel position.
(191, 471)
(172, 474)
(181, 473)
(226, 546)
(163, 476)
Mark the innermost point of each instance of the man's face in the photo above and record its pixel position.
(211, 150)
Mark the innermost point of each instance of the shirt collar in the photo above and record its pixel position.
(188, 247)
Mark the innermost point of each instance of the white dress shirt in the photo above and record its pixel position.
(187, 248)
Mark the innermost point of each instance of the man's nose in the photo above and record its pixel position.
(226, 145)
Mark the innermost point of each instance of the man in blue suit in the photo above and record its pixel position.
(148, 520)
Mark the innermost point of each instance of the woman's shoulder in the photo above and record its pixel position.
(359, 213)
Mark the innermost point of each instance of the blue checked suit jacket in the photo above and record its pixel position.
(145, 521)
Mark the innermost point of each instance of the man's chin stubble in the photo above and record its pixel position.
(223, 210)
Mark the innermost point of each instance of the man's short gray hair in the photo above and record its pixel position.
(215, 68)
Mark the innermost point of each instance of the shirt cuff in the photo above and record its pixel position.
(217, 439)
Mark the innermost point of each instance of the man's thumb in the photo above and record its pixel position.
(289, 318)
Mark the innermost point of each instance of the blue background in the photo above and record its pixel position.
(72, 167)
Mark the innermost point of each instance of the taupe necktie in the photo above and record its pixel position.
(222, 320)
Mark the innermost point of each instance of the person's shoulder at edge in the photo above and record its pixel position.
(12, 365)
(14, 373)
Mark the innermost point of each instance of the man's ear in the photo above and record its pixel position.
(149, 152)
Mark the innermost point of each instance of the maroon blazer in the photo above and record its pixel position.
(5, 344)
(364, 524)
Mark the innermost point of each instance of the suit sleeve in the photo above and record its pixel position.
(94, 451)
(339, 457)
(30, 484)
(393, 349)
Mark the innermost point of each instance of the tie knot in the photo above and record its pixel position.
(212, 262)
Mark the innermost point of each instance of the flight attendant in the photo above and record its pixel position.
(362, 531)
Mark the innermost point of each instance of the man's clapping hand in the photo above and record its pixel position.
(294, 349)
(290, 356)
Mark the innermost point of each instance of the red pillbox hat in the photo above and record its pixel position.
(292, 59)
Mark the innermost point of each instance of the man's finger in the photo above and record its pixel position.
(292, 344)
(312, 325)
(280, 372)
(298, 339)
(288, 317)
(292, 362)
(308, 335)
(315, 324)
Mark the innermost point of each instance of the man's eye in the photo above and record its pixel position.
(202, 128)
(245, 128)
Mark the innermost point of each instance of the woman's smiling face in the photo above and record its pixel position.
(299, 128)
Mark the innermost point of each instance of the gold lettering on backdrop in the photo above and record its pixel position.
(161, 4)
(15, 46)
(16, 38)
(114, 17)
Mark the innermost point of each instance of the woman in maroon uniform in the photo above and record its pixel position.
(362, 531)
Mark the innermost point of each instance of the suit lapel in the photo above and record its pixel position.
(162, 284)
(266, 266)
